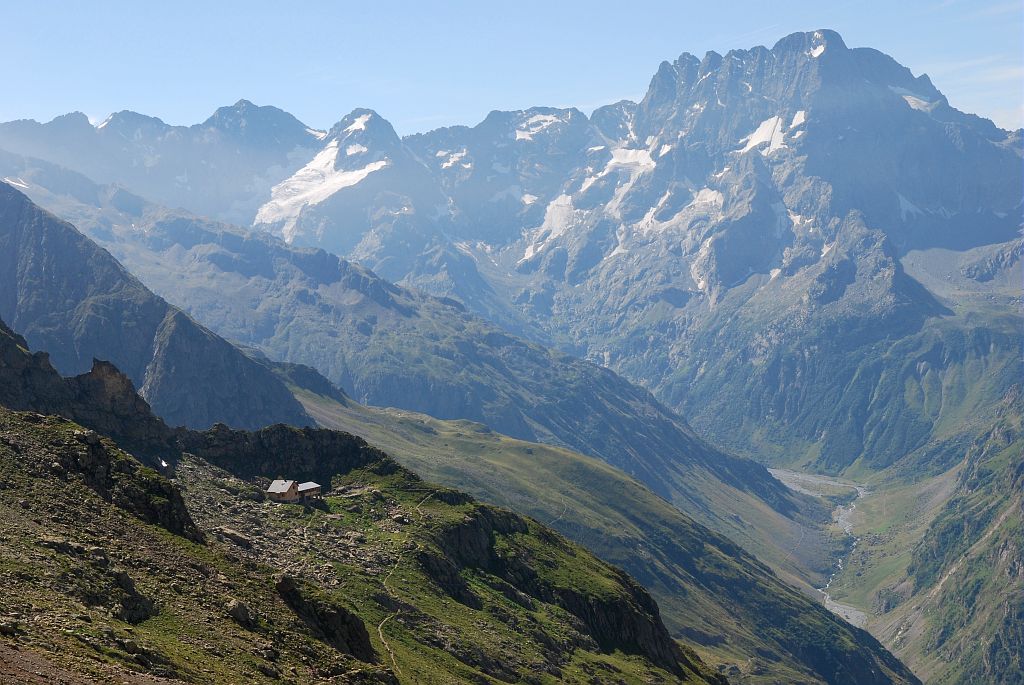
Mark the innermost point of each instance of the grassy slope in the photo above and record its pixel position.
(931, 503)
(471, 455)
(709, 591)
(938, 565)
(69, 551)
(191, 638)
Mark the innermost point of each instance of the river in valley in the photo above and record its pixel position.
(813, 484)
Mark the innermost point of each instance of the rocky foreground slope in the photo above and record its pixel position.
(950, 601)
(110, 567)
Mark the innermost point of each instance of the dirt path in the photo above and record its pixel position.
(390, 591)
(565, 508)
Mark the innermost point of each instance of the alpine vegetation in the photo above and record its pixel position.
(722, 384)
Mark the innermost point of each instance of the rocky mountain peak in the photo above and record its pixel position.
(363, 124)
(615, 121)
(72, 122)
(103, 399)
(811, 43)
(261, 125)
(132, 125)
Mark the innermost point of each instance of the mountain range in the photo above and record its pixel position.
(720, 599)
(706, 242)
(69, 295)
(805, 250)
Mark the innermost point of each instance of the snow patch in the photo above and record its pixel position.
(528, 199)
(640, 159)
(454, 159)
(665, 149)
(590, 180)
(769, 131)
(535, 125)
(557, 218)
(311, 185)
(359, 124)
(319, 135)
(17, 182)
(466, 249)
(356, 149)
(707, 196)
(915, 101)
(636, 161)
(798, 119)
(817, 51)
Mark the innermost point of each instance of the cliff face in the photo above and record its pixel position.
(301, 453)
(629, 621)
(69, 296)
(103, 399)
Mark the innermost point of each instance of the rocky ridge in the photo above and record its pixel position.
(66, 294)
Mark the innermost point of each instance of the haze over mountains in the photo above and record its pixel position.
(752, 200)
(804, 250)
(72, 297)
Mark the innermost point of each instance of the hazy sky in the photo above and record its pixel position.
(424, 65)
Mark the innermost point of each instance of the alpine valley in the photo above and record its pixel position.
(805, 251)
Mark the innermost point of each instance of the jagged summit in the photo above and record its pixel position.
(361, 119)
(363, 134)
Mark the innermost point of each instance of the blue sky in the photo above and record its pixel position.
(424, 65)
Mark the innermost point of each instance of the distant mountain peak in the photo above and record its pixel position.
(70, 120)
(364, 123)
(127, 120)
(256, 124)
